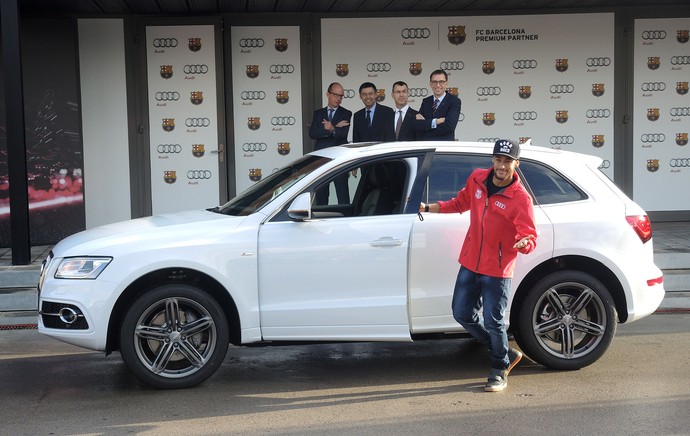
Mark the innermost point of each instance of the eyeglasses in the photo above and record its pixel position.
(438, 82)
(336, 95)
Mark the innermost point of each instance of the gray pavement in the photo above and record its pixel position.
(18, 297)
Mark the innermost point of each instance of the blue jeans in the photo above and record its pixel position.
(470, 290)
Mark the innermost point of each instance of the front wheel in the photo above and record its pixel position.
(174, 336)
(567, 320)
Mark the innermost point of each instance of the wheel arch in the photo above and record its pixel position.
(577, 263)
(167, 276)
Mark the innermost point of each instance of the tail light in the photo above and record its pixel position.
(641, 225)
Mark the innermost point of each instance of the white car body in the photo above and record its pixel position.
(359, 278)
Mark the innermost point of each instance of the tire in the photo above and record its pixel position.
(567, 301)
(174, 358)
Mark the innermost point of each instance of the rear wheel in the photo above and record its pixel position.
(174, 336)
(567, 320)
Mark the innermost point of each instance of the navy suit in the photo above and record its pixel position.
(381, 128)
(407, 131)
(325, 138)
(448, 109)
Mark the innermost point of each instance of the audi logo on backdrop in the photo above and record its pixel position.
(652, 86)
(524, 64)
(254, 146)
(525, 116)
(562, 140)
(415, 33)
(251, 42)
(488, 90)
(169, 148)
(680, 111)
(195, 69)
(652, 137)
(679, 162)
(654, 34)
(282, 69)
(680, 60)
(167, 96)
(452, 65)
(253, 95)
(348, 93)
(197, 122)
(598, 113)
(198, 174)
(562, 89)
(418, 92)
(492, 140)
(165, 42)
(378, 67)
(283, 121)
(598, 62)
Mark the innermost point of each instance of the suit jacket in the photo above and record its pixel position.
(381, 128)
(407, 131)
(325, 138)
(448, 109)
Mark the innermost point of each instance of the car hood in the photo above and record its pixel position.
(181, 226)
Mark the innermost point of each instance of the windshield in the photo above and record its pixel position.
(261, 193)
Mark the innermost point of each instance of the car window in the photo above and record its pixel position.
(449, 173)
(374, 188)
(548, 186)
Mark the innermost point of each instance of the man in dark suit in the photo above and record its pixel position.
(331, 124)
(374, 122)
(440, 112)
(403, 122)
(329, 127)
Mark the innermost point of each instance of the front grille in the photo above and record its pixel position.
(62, 316)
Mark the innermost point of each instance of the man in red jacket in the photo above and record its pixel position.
(501, 226)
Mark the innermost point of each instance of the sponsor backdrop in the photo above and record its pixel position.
(542, 77)
(182, 117)
(661, 158)
(267, 101)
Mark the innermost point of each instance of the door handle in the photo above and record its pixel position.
(220, 152)
(386, 241)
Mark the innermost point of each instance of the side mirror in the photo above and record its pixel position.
(300, 208)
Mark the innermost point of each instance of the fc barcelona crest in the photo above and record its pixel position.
(252, 71)
(683, 36)
(456, 34)
(488, 67)
(562, 65)
(653, 113)
(653, 62)
(652, 165)
(281, 44)
(194, 44)
(598, 141)
(524, 139)
(254, 123)
(682, 88)
(198, 150)
(452, 91)
(380, 95)
(488, 118)
(282, 97)
(168, 124)
(415, 68)
(196, 97)
(682, 138)
(170, 176)
(283, 148)
(525, 91)
(597, 89)
(254, 174)
(166, 71)
(342, 70)
(562, 116)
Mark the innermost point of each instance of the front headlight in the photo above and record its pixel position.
(81, 267)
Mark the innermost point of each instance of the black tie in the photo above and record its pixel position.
(434, 106)
(368, 117)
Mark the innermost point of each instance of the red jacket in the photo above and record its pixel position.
(496, 224)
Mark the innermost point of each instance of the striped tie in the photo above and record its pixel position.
(434, 106)
(330, 114)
